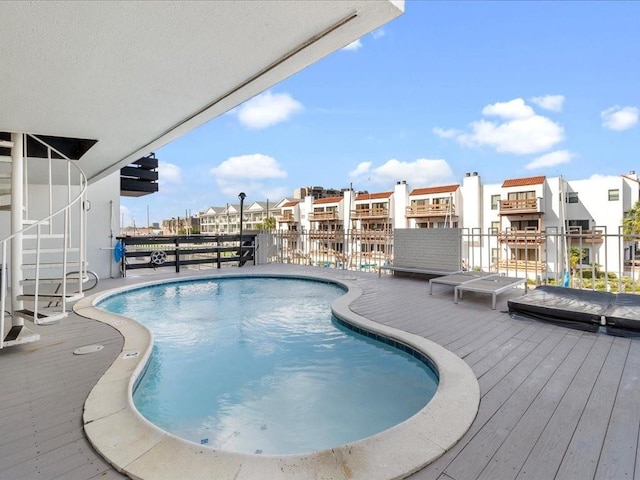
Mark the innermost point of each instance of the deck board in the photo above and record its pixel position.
(583, 453)
(555, 403)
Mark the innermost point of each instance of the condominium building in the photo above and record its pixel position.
(226, 220)
(514, 224)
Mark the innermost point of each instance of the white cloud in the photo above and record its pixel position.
(513, 109)
(449, 133)
(522, 136)
(551, 159)
(620, 118)
(251, 166)
(169, 173)
(268, 109)
(420, 172)
(519, 130)
(379, 33)
(360, 170)
(256, 175)
(353, 46)
(550, 102)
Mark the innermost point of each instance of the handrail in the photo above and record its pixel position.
(36, 227)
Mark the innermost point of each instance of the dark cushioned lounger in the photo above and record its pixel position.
(569, 307)
(623, 316)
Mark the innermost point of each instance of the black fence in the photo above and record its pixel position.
(183, 250)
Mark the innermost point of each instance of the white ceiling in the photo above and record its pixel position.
(136, 75)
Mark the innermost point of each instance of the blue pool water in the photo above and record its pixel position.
(259, 365)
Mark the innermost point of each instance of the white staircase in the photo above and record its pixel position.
(43, 259)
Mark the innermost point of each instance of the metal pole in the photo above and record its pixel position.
(241, 196)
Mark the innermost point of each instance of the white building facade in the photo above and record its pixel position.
(516, 226)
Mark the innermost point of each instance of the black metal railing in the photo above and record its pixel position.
(185, 250)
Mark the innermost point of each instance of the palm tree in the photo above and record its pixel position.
(268, 225)
(631, 222)
(576, 256)
(631, 228)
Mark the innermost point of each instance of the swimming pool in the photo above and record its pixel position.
(138, 448)
(260, 365)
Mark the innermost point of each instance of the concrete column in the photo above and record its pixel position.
(17, 203)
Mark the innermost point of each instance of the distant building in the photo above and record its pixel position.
(518, 213)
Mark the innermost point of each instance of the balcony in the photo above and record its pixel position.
(372, 236)
(520, 206)
(327, 235)
(577, 236)
(521, 237)
(435, 210)
(286, 217)
(522, 266)
(323, 216)
(361, 213)
(289, 234)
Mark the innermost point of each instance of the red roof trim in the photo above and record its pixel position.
(432, 190)
(328, 200)
(522, 182)
(373, 196)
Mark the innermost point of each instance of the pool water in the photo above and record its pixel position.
(259, 365)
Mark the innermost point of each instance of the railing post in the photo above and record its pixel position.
(177, 244)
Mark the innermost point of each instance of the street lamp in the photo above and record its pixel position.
(241, 196)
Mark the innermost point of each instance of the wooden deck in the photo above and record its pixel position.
(555, 403)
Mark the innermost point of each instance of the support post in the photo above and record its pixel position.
(17, 203)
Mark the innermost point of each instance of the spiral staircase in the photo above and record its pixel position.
(43, 258)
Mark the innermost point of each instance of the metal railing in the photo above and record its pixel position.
(46, 228)
(592, 259)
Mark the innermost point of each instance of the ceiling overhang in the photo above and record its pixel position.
(136, 75)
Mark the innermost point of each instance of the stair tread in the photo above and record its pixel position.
(51, 265)
(44, 315)
(31, 281)
(69, 296)
(42, 236)
(19, 335)
(31, 251)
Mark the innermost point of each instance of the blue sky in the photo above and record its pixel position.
(507, 89)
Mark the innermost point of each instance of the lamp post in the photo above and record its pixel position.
(241, 196)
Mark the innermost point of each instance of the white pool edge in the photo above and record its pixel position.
(136, 447)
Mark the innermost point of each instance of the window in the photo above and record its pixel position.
(521, 195)
(572, 197)
(577, 225)
(524, 224)
(495, 227)
(415, 203)
(495, 202)
(614, 195)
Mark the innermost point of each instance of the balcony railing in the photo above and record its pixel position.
(523, 205)
(577, 236)
(522, 237)
(522, 266)
(435, 210)
(286, 217)
(371, 236)
(323, 216)
(370, 213)
(327, 235)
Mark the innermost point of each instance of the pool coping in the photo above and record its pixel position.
(141, 450)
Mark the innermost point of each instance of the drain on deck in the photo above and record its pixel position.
(88, 349)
